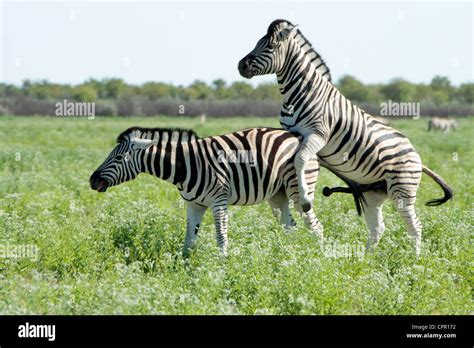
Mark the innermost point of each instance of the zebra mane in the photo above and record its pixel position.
(322, 66)
(273, 27)
(124, 135)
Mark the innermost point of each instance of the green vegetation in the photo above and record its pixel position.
(114, 97)
(120, 252)
(439, 91)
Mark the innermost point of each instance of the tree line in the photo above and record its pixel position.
(116, 97)
(439, 91)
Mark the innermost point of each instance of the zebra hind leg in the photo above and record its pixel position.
(313, 224)
(405, 204)
(372, 209)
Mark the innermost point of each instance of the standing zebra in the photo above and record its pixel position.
(443, 124)
(241, 168)
(368, 155)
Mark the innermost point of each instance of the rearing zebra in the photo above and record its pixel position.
(375, 160)
(241, 168)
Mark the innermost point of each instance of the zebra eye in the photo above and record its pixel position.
(125, 156)
(272, 46)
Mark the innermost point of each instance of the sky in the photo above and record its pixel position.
(179, 41)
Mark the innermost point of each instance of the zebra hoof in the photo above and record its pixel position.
(306, 207)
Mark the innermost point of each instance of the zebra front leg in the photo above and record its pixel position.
(281, 210)
(194, 218)
(221, 218)
(311, 221)
(309, 149)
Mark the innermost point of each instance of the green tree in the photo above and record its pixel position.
(442, 90)
(218, 84)
(8, 90)
(200, 90)
(114, 88)
(84, 93)
(466, 93)
(399, 90)
(423, 93)
(241, 90)
(353, 89)
(157, 90)
(44, 90)
(267, 91)
(441, 83)
(374, 93)
(220, 89)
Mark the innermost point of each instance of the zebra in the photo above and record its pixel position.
(383, 120)
(443, 124)
(241, 168)
(375, 160)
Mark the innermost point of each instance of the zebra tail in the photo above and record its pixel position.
(448, 191)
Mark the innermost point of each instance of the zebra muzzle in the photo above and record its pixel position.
(102, 186)
(245, 68)
(97, 183)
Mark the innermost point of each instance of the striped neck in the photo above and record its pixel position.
(167, 159)
(301, 64)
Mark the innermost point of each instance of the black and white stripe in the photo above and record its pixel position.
(361, 150)
(242, 168)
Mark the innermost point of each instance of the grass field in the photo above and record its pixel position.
(120, 252)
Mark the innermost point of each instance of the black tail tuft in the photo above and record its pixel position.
(448, 194)
(448, 191)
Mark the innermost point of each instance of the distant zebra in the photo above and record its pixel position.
(241, 168)
(375, 160)
(441, 123)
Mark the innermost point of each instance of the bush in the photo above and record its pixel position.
(399, 90)
(353, 89)
(106, 108)
(84, 93)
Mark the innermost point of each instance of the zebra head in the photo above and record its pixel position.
(123, 163)
(280, 52)
(268, 56)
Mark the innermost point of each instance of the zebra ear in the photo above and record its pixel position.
(285, 33)
(143, 144)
